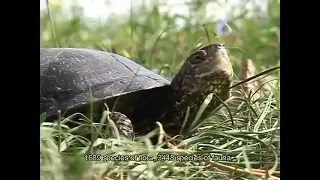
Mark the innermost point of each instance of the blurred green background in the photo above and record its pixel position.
(160, 35)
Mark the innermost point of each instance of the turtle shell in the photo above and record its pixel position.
(69, 76)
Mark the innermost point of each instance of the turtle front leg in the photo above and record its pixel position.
(124, 125)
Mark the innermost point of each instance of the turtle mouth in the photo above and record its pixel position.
(221, 54)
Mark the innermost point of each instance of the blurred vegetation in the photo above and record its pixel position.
(154, 39)
(161, 42)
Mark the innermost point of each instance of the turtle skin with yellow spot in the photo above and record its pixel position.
(83, 80)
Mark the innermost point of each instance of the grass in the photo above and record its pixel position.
(234, 142)
(252, 143)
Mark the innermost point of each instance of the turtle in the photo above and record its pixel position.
(72, 78)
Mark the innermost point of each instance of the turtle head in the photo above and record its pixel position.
(202, 70)
(208, 70)
(206, 63)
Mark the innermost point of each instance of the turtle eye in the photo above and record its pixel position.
(198, 57)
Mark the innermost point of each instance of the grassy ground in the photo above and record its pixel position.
(228, 145)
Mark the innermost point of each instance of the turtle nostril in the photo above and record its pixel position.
(220, 46)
